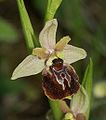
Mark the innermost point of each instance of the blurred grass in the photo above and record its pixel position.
(83, 20)
(8, 32)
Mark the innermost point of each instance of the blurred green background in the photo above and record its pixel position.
(84, 21)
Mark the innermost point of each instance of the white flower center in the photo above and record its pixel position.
(51, 51)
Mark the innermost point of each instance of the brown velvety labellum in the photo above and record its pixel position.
(59, 80)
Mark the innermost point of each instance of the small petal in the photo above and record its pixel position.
(40, 52)
(60, 54)
(29, 66)
(62, 43)
(47, 36)
(73, 54)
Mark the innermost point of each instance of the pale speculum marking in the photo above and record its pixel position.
(62, 75)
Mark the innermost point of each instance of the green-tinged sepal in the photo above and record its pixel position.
(80, 102)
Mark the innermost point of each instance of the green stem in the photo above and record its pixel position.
(56, 111)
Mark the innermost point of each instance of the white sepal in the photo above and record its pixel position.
(31, 65)
(47, 36)
(73, 54)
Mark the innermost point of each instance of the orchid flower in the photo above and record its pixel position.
(41, 57)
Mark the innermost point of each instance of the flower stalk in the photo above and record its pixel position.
(56, 110)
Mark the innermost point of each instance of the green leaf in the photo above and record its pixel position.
(8, 32)
(52, 7)
(87, 82)
(27, 27)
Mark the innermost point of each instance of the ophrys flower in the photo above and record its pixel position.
(35, 63)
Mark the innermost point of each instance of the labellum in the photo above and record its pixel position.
(60, 80)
